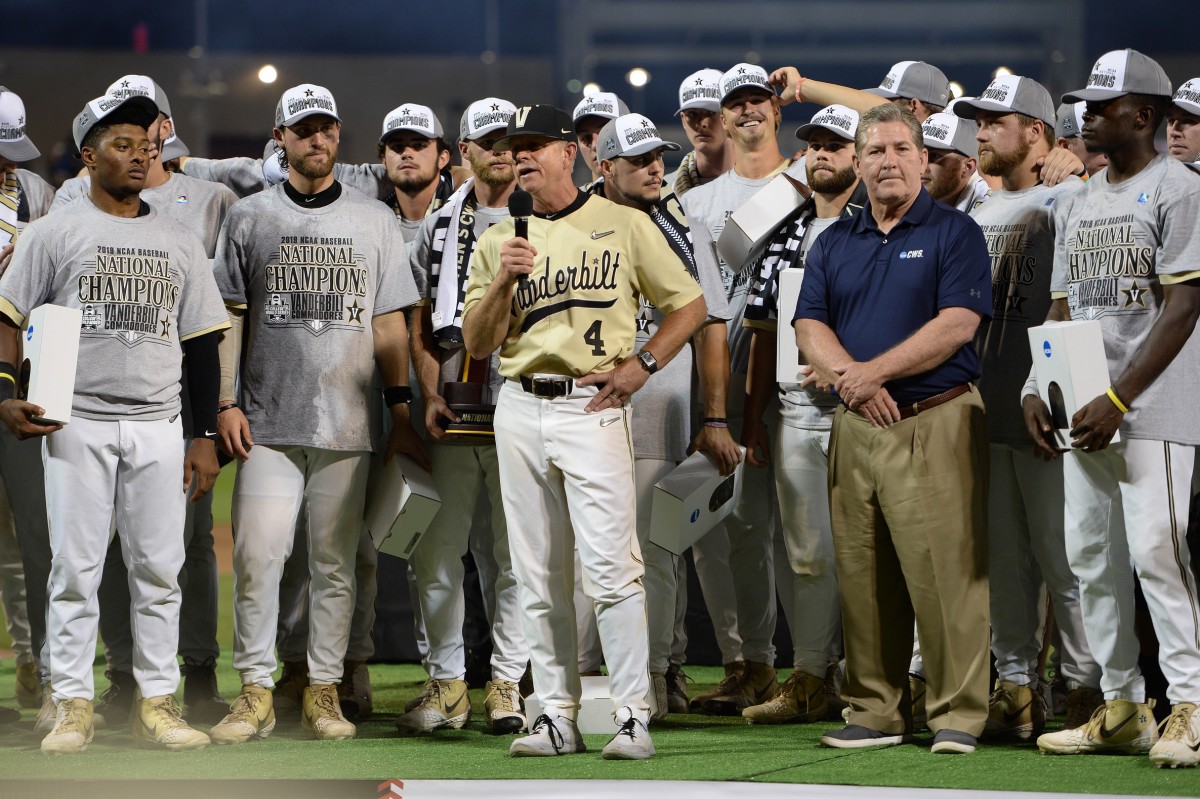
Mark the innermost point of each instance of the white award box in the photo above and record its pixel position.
(595, 707)
(787, 354)
(401, 504)
(52, 349)
(748, 228)
(690, 500)
(1071, 369)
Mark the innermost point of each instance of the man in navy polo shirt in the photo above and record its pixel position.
(890, 304)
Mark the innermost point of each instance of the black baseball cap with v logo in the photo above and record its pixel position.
(544, 121)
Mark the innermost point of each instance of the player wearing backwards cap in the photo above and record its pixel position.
(950, 176)
(118, 459)
(750, 115)
(1183, 123)
(24, 539)
(310, 269)
(806, 577)
(462, 469)
(631, 161)
(200, 206)
(700, 112)
(590, 115)
(1015, 117)
(561, 307)
(1069, 121)
(1126, 255)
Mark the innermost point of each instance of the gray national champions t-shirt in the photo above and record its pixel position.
(1116, 245)
(143, 285)
(1018, 227)
(311, 280)
(708, 207)
(199, 205)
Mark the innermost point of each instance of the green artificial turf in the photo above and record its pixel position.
(690, 747)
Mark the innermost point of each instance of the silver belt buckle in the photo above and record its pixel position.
(551, 386)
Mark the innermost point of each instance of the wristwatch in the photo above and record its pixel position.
(646, 359)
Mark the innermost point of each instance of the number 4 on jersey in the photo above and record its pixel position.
(592, 336)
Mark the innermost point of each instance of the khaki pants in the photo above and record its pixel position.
(909, 509)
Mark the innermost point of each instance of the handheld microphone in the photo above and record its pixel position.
(520, 208)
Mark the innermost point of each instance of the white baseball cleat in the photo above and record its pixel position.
(632, 741)
(549, 737)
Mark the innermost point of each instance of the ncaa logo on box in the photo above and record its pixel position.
(29, 334)
(695, 515)
(1046, 348)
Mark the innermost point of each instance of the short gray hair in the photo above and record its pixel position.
(886, 112)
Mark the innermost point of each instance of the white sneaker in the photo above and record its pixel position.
(632, 741)
(1179, 744)
(549, 737)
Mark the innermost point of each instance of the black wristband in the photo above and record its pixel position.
(718, 419)
(8, 381)
(227, 406)
(1081, 173)
(397, 395)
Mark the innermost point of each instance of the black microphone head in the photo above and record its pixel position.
(520, 203)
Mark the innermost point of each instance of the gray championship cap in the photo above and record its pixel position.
(1122, 72)
(1010, 94)
(744, 76)
(484, 116)
(630, 135)
(302, 101)
(1069, 120)
(834, 118)
(915, 80)
(1188, 97)
(130, 85)
(410, 116)
(136, 109)
(15, 145)
(701, 91)
(542, 121)
(944, 131)
(605, 105)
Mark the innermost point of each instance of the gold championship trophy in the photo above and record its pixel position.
(468, 399)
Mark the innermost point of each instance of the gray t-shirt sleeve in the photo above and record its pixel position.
(1059, 274)
(28, 281)
(70, 191)
(420, 253)
(243, 175)
(1179, 251)
(370, 179)
(229, 263)
(200, 308)
(395, 287)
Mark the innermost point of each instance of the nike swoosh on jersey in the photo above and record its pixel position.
(607, 422)
(596, 235)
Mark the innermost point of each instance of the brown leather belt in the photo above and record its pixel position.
(547, 386)
(908, 411)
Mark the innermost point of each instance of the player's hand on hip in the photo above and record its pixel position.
(403, 440)
(234, 433)
(18, 416)
(1040, 427)
(616, 386)
(436, 408)
(200, 468)
(719, 446)
(516, 259)
(1094, 425)
(881, 409)
(757, 442)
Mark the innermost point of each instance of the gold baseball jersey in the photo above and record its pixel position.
(577, 312)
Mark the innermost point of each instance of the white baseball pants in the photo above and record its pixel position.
(802, 481)
(271, 487)
(130, 473)
(1026, 546)
(1129, 503)
(460, 473)
(567, 480)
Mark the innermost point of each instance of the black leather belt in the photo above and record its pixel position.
(547, 386)
(908, 411)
